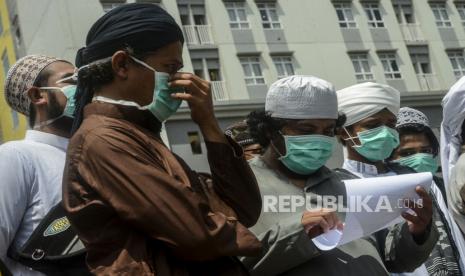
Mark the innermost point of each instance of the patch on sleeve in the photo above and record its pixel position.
(57, 226)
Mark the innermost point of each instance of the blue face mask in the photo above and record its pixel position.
(163, 105)
(69, 91)
(307, 153)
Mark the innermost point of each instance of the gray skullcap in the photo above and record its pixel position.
(302, 97)
(21, 77)
(409, 116)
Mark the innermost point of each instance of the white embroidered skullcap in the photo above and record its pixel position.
(409, 116)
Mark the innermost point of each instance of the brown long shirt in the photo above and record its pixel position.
(139, 209)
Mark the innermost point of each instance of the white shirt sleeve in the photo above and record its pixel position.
(454, 198)
(15, 182)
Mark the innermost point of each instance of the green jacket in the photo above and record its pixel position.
(287, 250)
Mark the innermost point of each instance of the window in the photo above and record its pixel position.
(441, 15)
(269, 15)
(461, 10)
(5, 63)
(192, 14)
(361, 66)
(156, 2)
(284, 66)
(109, 5)
(194, 141)
(374, 15)
(345, 15)
(421, 63)
(389, 62)
(200, 19)
(195, 27)
(458, 63)
(237, 15)
(207, 68)
(15, 118)
(404, 13)
(252, 70)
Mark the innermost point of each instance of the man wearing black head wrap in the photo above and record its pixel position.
(138, 207)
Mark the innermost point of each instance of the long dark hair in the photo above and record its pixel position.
(91, 78)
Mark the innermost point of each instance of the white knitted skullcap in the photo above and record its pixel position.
(302, 97)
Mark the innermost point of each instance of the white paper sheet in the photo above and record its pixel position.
(384, 206)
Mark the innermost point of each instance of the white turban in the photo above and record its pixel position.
(363, 100)
(302, 97)
(453, 115)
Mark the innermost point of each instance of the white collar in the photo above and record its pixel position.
(363, 169)
(47, 138)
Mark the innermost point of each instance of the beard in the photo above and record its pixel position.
(55, 111)
(54, 108)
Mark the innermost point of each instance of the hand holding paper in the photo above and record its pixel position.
(418, 223)
(377, 203)
(317, 222)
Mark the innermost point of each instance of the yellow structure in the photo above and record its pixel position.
(12, 125)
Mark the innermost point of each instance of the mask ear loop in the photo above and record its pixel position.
(50, 121)
(350, 138)
(51, 88)
(143, 64)
(276, 149)
(74, 77)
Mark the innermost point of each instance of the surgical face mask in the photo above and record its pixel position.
(420, 162)
(307, 153)
(69, 91)
(163, 105)
(376, 144)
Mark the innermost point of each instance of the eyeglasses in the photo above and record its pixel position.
(408, 152)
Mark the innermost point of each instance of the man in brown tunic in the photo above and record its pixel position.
(140, 209)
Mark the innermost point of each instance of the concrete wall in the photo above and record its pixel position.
(310, 32)
(56, 27)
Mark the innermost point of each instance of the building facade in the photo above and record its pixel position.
(12, 124)
(242, 46)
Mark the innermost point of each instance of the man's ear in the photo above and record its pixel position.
(37, 96)
(120, 64)
(278, 141)
(269, 135)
